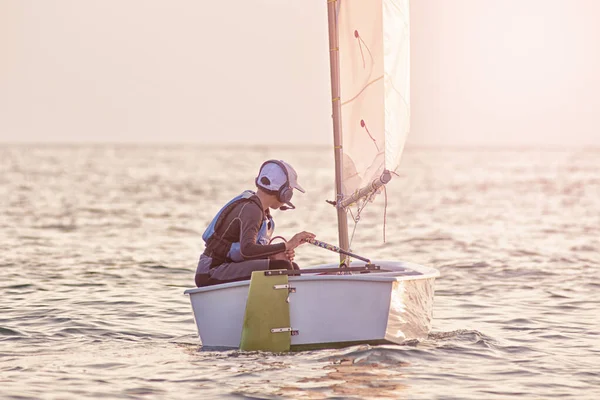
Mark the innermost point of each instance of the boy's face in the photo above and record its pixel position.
(276, 205)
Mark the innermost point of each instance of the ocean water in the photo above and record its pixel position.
(99, 242)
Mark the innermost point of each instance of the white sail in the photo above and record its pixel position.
(374, 46)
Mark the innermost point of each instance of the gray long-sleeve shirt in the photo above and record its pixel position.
(242, 225)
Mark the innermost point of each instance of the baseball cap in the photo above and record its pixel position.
(275, 174)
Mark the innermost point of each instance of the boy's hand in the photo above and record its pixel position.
(287, 255)
(279, 256)
(290, 254)
(298, 239)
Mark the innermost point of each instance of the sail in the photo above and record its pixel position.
(374, 51)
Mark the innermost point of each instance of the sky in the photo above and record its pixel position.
(483, 72)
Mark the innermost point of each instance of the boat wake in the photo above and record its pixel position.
(460, 341)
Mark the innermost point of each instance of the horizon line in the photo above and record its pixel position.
(408, 146)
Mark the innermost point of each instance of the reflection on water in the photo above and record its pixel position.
(99, 242)
(364, 373)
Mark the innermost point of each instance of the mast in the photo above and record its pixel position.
(334, 63)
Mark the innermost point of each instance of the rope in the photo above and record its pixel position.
(277, 237)
(363, 124)
(384, 211)
(357, 218)
(357, 36)
(354, 229)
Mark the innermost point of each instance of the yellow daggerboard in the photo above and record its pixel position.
(267, 318)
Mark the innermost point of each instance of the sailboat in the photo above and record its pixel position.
(360, 301)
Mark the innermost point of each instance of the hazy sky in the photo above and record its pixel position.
(504, 72)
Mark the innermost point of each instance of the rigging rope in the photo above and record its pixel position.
(363, 204)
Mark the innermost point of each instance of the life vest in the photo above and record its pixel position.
(222, 250)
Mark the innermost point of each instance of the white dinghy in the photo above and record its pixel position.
(391, 305)
(351, 302)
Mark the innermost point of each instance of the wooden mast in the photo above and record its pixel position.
(334, 63)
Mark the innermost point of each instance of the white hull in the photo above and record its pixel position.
(330, 310)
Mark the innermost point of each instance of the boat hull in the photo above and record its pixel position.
(330, 310)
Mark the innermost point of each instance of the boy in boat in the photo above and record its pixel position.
(238, 238)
